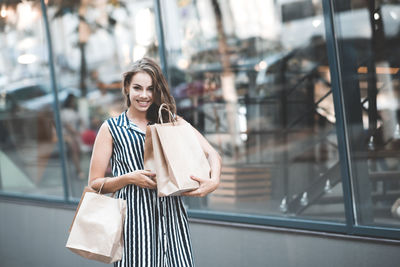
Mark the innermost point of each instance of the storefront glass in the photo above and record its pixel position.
(253, 76)
(29, 152)
(94, 42)
(368, 38)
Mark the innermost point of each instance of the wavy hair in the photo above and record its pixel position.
(161, 92)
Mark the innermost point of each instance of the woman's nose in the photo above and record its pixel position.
(145, 93)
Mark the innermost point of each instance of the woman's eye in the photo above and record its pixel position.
(151, 88)
(136, 88)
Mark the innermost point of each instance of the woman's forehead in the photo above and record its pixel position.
(142, 78)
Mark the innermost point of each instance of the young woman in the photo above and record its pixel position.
(156, 229)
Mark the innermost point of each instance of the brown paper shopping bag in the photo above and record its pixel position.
(97, 228)
(85, 190)
(173, 152)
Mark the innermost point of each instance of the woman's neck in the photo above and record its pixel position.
(136, 115)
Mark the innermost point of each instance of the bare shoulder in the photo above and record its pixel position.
(181, 119)
(104, 128)
(104, 132)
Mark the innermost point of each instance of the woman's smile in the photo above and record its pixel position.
(143, 103)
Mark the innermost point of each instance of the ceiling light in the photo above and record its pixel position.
(27, 59)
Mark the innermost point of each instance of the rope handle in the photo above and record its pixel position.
(170, 115)
(101, 187)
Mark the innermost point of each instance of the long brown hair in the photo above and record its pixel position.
(161, 92)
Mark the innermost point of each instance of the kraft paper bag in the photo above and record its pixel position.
(97, 229)
(85, 190)
(174, 153)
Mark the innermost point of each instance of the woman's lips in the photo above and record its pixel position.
(143, 103)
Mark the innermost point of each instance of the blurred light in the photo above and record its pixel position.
(380, 70)
(144, 31)
(316, 23)
(183, 3)
(376, 16)
(362, 70)
(3, 12)
(393, 15)
(27, 59)
(383, 70)
(183, 63)
(138, 52)
(125, 53)
(26, 43)
(262, 65)
(26, 15)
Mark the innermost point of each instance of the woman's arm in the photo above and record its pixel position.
(102, 152)
(207, 185)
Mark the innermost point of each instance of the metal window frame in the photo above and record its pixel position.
(349, 227)
(335, 65)
(66, 198)
(56, 104)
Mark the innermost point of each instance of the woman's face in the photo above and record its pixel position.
(141, 91)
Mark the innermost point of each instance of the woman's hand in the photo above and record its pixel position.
(142, 178)
(206, 186)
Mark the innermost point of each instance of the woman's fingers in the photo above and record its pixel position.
(145, 179)
(199, 192)
(149, 181)
(151, 184)
(149, 173)
(206, 186)
(196, 178)
(200, 180)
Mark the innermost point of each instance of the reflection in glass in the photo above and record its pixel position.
(29, 153)
(369, 44)
(94, 42)
(253, 76)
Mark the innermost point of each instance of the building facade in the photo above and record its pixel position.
(300, 98)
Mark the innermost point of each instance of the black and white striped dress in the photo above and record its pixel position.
(156, 229)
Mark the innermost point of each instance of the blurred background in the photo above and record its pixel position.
(300, 98)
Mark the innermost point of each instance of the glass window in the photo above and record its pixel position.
(94, 42)
(29, 152)
(369, 51)
(253, 76)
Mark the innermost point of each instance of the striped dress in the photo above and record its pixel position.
(156, 231)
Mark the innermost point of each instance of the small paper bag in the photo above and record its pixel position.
(97, 229)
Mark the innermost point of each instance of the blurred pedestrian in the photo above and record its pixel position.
(71, 124)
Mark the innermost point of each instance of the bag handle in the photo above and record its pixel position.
(101, 187)
(170, 115)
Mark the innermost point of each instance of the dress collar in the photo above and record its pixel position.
(123, 121)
